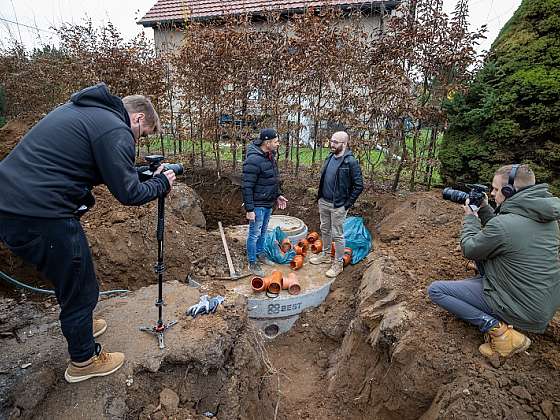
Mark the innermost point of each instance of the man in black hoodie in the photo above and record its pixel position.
(46, 185)
(261, 190)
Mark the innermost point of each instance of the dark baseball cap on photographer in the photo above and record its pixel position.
(266, 134)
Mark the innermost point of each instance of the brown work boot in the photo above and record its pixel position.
(335, 270)
(101, 364)
(320, 258)
(99, 327)
(505, 341)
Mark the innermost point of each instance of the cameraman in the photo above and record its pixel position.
(517, 246)
(46, 185)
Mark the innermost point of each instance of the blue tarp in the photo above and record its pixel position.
(357, 237)
(272, 249)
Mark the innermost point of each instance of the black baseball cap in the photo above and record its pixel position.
(266, 134)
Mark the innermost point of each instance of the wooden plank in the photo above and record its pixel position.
(228, 256)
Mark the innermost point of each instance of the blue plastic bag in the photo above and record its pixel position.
(272, 247)
(357, 237)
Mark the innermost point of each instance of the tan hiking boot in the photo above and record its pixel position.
(335, 270)
(101, 364)
(320, 259)
(505, 341)
(99, 327)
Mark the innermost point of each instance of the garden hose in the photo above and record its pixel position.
(21, 285)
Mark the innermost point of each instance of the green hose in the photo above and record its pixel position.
(21, 285)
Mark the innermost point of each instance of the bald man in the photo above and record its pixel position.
(341, 184)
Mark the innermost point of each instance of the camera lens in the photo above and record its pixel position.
(175, 167)
(455, 195)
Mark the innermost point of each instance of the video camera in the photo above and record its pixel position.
(476, 195)
(155, 161)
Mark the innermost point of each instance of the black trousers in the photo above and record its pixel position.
(60, 251)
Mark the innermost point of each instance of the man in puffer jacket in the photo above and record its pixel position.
(518, 248)
(261, 190)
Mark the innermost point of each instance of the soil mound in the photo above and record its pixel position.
(12, 132)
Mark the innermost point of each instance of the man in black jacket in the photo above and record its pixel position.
(341, 184)
(46, 185)
(261, 190)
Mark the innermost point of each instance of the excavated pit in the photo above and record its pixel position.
(376, 348)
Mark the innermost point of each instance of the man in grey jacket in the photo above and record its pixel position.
(517, 246)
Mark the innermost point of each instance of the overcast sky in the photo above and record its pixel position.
(44, 14)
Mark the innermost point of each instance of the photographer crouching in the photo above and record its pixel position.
(517, 249)
(46, 186)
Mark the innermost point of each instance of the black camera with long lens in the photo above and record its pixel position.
(476, 195)
(155, 161)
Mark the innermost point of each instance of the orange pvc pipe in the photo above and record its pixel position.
(286, 245)
(303, 243)
(260, 284)
(333, 250)
(300, 250)
(312, 237)
(292, 284)
(317, 246)
(275, 284)
(346, 259)
(297, 262)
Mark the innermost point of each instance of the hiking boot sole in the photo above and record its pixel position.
(74, 379)
(101, 331)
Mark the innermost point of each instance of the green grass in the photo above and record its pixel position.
(305, 153)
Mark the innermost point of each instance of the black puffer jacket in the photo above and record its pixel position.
(82, 143)
(348, 182)
(260, 179)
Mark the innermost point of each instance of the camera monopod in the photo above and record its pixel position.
(160, 328)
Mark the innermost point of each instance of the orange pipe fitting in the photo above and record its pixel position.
(303, 243)
(297, 262)
(291, 283)
(346, 259)
(300, 250)
(317, 246)
(286, 245)
(260, 284)
(312, 237)
(275, 284)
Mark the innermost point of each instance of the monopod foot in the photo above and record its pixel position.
(158, 331)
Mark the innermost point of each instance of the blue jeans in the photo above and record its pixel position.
(464, 299)
(257, 233)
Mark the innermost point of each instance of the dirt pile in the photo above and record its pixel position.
(12, 132)
(208, 364)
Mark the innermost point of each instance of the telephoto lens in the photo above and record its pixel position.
(455, 195)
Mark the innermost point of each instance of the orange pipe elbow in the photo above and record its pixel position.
(317, 246)
(275, 284)
(260, 284)
(312, 237)
(297, 262)
(303, 243)
(300, 250)
(291, 283)
(286, 245)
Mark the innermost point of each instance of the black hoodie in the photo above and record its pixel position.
(85, 142)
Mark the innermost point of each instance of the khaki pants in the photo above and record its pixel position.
(332, 221)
